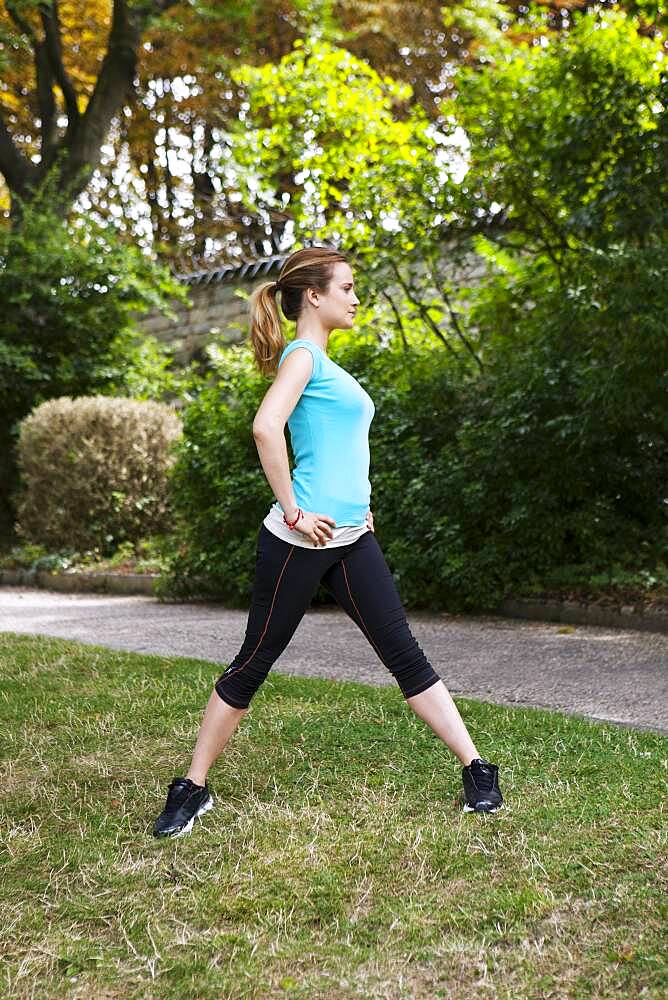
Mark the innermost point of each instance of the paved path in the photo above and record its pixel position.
(603, 673)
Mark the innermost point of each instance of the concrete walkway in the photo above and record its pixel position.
(602, 673)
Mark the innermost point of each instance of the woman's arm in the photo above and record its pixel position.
(273, 453)
(269, 425)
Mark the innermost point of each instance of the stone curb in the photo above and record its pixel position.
(577, 613)
(105, 583)
(536, 609)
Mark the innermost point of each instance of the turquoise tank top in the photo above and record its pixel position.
(329, 432)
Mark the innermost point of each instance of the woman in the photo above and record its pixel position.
(320, 530)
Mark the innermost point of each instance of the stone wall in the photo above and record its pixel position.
(217, 313)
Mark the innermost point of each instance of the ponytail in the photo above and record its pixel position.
(266, 329)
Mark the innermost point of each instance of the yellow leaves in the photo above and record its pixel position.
(5, 202)
(89, 26)
(84, 39)
(10, 101)
(406, 152)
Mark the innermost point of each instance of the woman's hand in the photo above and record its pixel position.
(316, 527)
(369, 520)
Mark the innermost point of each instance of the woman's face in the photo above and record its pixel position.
(337, 307)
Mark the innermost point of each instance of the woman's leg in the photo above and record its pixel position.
(218, 724)
(286, 578)
(436, 707)
(364, 586)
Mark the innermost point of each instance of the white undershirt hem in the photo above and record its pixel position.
(342, 535)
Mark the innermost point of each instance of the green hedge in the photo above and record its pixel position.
(533, 474)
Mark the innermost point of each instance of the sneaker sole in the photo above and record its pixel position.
(185, 830)
(471, 809)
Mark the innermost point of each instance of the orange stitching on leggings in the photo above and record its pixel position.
(343, 564)
(266, 624)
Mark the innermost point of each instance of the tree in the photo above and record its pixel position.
(75, 153)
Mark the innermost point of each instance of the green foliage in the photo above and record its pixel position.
(559, 456)
(141, 556)
(569, 140)
(150, 371)
(344, 150)
(483, 487)
(481, 19)
(23, 556)
(71, 293)
(330, 120)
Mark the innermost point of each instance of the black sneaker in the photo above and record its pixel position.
(481, 787)
(185, 801)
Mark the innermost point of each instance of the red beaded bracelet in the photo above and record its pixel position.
(300, 513)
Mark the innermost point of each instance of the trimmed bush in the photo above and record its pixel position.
(94, 471)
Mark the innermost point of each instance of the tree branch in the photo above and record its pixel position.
(16, 170)
(44, 77)
(113, 83)
(397, 316)
(81, 145)
(422, 309)
(54, 50)
(458, 330)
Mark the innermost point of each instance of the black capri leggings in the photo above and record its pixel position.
(286, 579)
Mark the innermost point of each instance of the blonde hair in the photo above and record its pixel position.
(307, 268)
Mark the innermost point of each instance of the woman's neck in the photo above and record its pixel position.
(315, 338)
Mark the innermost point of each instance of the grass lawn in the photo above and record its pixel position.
(336, 862)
